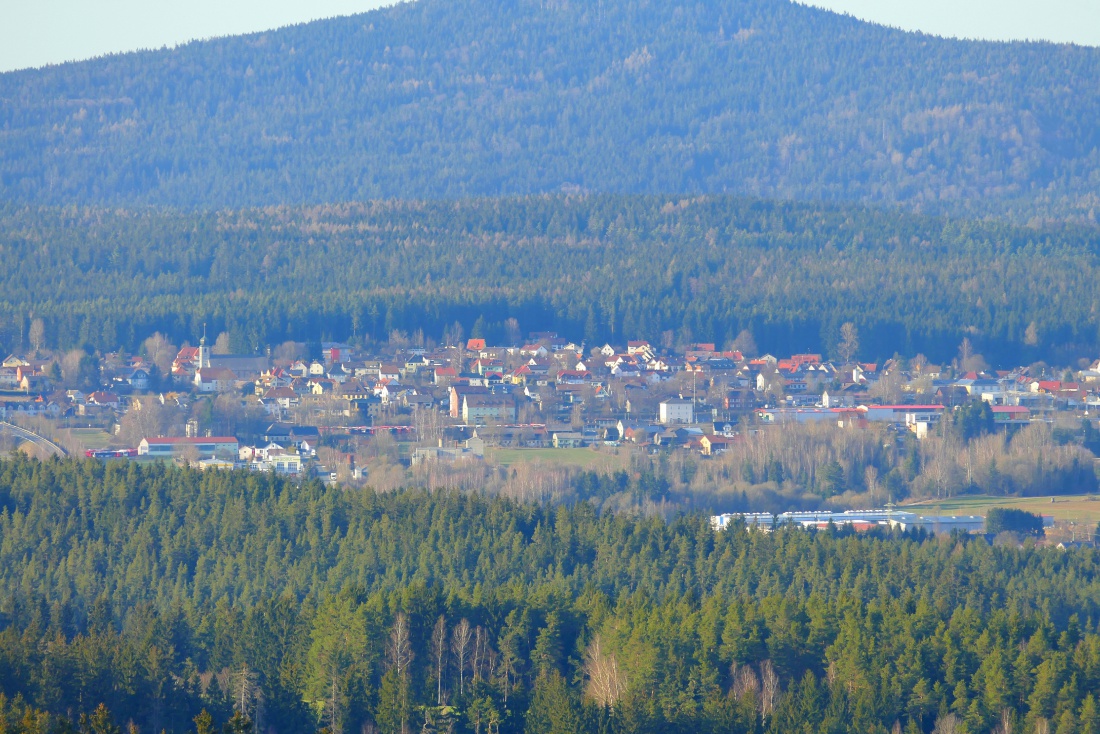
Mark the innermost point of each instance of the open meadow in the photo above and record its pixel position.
(589, 459)
(1067, 508)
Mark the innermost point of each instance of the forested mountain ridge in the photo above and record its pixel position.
(598, 267)
(163, 591)
(437, 98)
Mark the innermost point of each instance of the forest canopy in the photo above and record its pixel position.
(599, 268)
(163, 592)
(438, 98)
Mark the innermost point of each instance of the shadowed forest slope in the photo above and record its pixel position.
(442, 98)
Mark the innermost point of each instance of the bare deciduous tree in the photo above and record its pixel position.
(428, 423)
(888, 387)
(870, 475)
(247, 694)
(606, 681)
(224, 679)
(481, 652)
(289, 352)
(511, 331)
(745, 683)
(37, 334)
(1031, 335)
(147, 418)
(1004, 726)
(399, 339)
(948, 724)
(941, 470)
(70, 365)
(966, 350)
(769, 688)
(439, 652)
(453, 335)
(221, 344)
(968, 359)
(745, 343)
(919, 363)
(399, 647)
(849, 342)
(460, 646)
(160, 352)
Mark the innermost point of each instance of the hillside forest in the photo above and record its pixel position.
(602, 268)
(747, 173)
(446, 99)
(153, 598)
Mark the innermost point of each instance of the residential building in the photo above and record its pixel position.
(568, 440)
(676, 410)
(714, 445)
(214, 379)
(225, 447)
(478, 408)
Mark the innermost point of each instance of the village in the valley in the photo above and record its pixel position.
(278, 411)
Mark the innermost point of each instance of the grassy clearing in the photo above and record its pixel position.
(1077, 508)
(91, 438)
(604, 460)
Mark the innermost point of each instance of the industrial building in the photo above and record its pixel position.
(858, 519)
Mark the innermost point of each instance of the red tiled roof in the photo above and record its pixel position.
(189, 440)
(216, 373)
(902, 407)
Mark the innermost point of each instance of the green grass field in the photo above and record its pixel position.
(1077, 508)
(581, 458)
(92, 438)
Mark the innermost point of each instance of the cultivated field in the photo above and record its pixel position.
(582, 458)
(1075, 508)
(91, 438)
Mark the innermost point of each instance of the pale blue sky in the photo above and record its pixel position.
(38, 32)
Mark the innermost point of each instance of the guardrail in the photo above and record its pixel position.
(34, 438)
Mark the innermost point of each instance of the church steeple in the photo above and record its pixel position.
(204, 358)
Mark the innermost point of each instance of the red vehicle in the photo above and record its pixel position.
(110, 453)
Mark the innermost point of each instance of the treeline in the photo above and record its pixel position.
(591, 267)
(776, 468)
(163, 593)
(792, 466)
(481, 98)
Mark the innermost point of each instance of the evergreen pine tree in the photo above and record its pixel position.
(1088, 719)
(553, 708)
(547, 653)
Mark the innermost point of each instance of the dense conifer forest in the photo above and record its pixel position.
(163, 592)
(592, 267)
(438, 98)
(672, 171)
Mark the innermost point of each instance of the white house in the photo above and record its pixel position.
(214, 379)
(219, 446)
(677, 410)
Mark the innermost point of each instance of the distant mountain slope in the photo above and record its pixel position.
(444, 98)
(590, 267)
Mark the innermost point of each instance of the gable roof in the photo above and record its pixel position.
(177, 440)
(215, 373)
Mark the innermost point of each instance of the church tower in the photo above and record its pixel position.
(204, 356)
